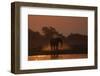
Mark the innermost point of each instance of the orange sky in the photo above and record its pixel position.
(63, 24)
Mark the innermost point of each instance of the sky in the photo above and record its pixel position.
(63, 24)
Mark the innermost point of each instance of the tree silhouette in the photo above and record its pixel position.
(49, 31)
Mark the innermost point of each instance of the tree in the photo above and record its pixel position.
(49, 31)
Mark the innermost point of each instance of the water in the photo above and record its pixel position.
(62, 56)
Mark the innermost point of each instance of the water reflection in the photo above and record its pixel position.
(62, 56)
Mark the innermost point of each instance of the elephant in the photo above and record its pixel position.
(56, 43)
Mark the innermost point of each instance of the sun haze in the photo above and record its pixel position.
(63, 24)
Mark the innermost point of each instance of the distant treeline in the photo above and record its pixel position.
(36, 41)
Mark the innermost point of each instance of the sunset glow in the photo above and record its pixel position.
(65, 25)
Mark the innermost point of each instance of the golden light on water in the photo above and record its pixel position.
(63, 56)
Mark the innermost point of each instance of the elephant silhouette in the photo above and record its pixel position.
(56, 43)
